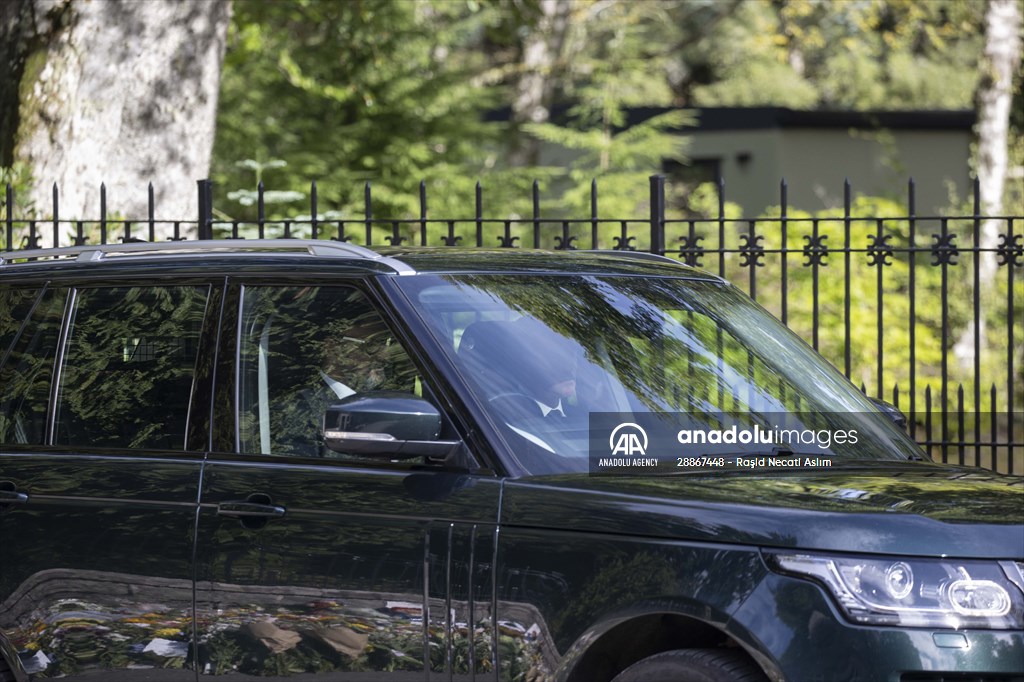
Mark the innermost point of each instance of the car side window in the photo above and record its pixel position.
(129, 362)
(302, 349)
(15, 306)
(29, 334)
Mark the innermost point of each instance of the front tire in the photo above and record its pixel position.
(693, 665)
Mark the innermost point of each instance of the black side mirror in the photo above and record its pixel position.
(891, 411)
(386, 424)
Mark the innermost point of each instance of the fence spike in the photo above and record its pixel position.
(536, 214)
(313, 209)
(423, 212)
(151, 211)
(9, 244)
(657, 214)
(911, 196)
(479, 214)
(368, 211)
(896, 395)
(721, 197)
(103, 208)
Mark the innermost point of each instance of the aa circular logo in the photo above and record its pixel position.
(629, 440)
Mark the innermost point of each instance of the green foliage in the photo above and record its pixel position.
(878, 54)
(392, 93)
(352, 92)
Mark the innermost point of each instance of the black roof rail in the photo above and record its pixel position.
(641, 255)
(321, 248)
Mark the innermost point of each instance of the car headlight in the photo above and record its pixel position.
(944, 593)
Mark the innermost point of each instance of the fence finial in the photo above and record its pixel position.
(313, 209)
(657, 213)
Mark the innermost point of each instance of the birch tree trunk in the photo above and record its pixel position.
(999, 65)
(534, 90)
(112, 91)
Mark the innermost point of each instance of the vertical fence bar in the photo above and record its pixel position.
(423, 213)
(975, 242)
(912, 263)
(784, 224)
(103, 212)
(752, 289)
(993, 426)
(368, 213)
(814, 280)
(205, 225)
(944, 229)
(593, 214)
(846, 278)
(720, 186)
(10, 217)
(880, 304)
(261, 211)
(479, 214)
(151, 212)
(721, 229)
(657, 214)
(1010, 416)
(313, 208)
(56, 219)
(536, 214)
(960, 425)
(928, 417)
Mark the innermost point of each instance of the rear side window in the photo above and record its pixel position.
(29, 334)
(15, 305)
(129, 362)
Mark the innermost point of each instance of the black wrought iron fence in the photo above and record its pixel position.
(924, 311)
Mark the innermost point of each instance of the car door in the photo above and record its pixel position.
(323, 564)
(98, 487)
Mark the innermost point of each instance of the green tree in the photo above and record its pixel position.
(347, 93)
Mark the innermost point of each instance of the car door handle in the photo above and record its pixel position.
(244, 509)
(13, 497)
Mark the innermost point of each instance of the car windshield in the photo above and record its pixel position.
(571, 346)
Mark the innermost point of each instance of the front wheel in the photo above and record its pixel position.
(693, 665)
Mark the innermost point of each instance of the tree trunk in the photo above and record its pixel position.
(999, 63)
(118, 92)
(534, 90)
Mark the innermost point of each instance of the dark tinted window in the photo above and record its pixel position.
(128, 367)
(15, 305)
(303, 348)
(27, 371)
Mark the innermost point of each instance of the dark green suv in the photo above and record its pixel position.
(308, 460)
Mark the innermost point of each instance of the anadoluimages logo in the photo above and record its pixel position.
(628, 439)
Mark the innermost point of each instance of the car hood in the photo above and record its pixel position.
(906, 509)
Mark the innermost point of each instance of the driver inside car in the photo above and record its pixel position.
(527, 370)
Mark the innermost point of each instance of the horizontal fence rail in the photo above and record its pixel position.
(923, 311)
